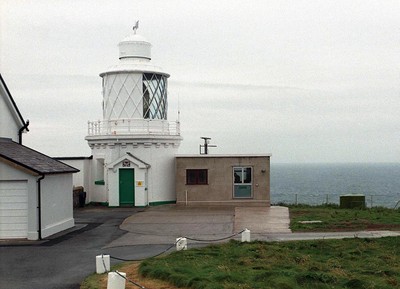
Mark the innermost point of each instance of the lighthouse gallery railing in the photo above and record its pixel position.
(133, 126)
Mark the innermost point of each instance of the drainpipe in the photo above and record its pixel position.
(39, 207)
(21, 130)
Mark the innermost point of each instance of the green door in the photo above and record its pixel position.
(126, 187)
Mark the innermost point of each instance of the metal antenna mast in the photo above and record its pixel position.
(206, 145)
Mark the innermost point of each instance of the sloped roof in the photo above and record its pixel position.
(31, 159)
(9, 99)
(141, 164)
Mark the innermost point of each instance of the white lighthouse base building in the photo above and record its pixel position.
(133, 171)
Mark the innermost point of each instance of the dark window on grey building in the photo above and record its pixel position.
(196, 177)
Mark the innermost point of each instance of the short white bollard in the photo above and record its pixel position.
(181, 244)
(246, 235)
(115, 281)
(102, 264)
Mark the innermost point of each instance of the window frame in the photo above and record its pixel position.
(243, 181)
(197, 178)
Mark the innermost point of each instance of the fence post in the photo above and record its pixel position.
(295, 198)
(372, 200)
(327, 198)
(181, 244)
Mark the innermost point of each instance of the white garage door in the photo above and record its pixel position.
(13, 209)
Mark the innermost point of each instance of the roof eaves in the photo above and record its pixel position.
(19, 164)
(148, 165)
(70, 170)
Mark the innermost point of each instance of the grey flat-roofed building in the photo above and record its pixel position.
(238, 180)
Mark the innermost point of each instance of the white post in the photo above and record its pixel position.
(246, 235)
(102, 264)
(181, 244)
(115, 281)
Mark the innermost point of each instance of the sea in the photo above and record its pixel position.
(324, 183)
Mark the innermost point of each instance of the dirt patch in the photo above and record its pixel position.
(377, 227)
(132, 273)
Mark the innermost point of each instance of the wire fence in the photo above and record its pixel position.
(371, 200)
(162, 252)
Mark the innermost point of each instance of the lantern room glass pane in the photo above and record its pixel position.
(154, 96)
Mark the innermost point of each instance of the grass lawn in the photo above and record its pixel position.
(349, 263)
(335, 219)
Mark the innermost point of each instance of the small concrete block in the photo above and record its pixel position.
(115, 281)
(181, 244)
(102, 264)
(246, 235)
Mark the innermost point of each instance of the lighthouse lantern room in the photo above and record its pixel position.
(134, 145)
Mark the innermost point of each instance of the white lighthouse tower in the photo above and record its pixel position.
(134, 146)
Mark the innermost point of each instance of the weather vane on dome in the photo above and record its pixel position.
(136, 26)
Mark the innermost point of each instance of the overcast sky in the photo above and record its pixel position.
(308, 81)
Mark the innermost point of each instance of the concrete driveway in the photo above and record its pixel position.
(162, 225)
(63, 261)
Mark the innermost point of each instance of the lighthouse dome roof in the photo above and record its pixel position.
(135, 46)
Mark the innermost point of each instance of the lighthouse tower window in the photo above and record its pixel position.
(154, 96)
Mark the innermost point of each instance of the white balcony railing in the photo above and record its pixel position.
(134, 127)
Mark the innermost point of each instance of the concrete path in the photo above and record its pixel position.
(262, 220)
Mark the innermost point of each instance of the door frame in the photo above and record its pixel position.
(120, 192)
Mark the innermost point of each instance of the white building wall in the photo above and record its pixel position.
(8, 125)
(84, 176)
(98, 191)
(161, 176)
(56, 203)
(158, 180)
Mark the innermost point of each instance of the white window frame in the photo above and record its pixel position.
(242, 183)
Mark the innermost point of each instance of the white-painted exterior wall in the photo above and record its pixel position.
(9, 125)
(157, 183)
(84, 176)
(56, 203)
(56, 200)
